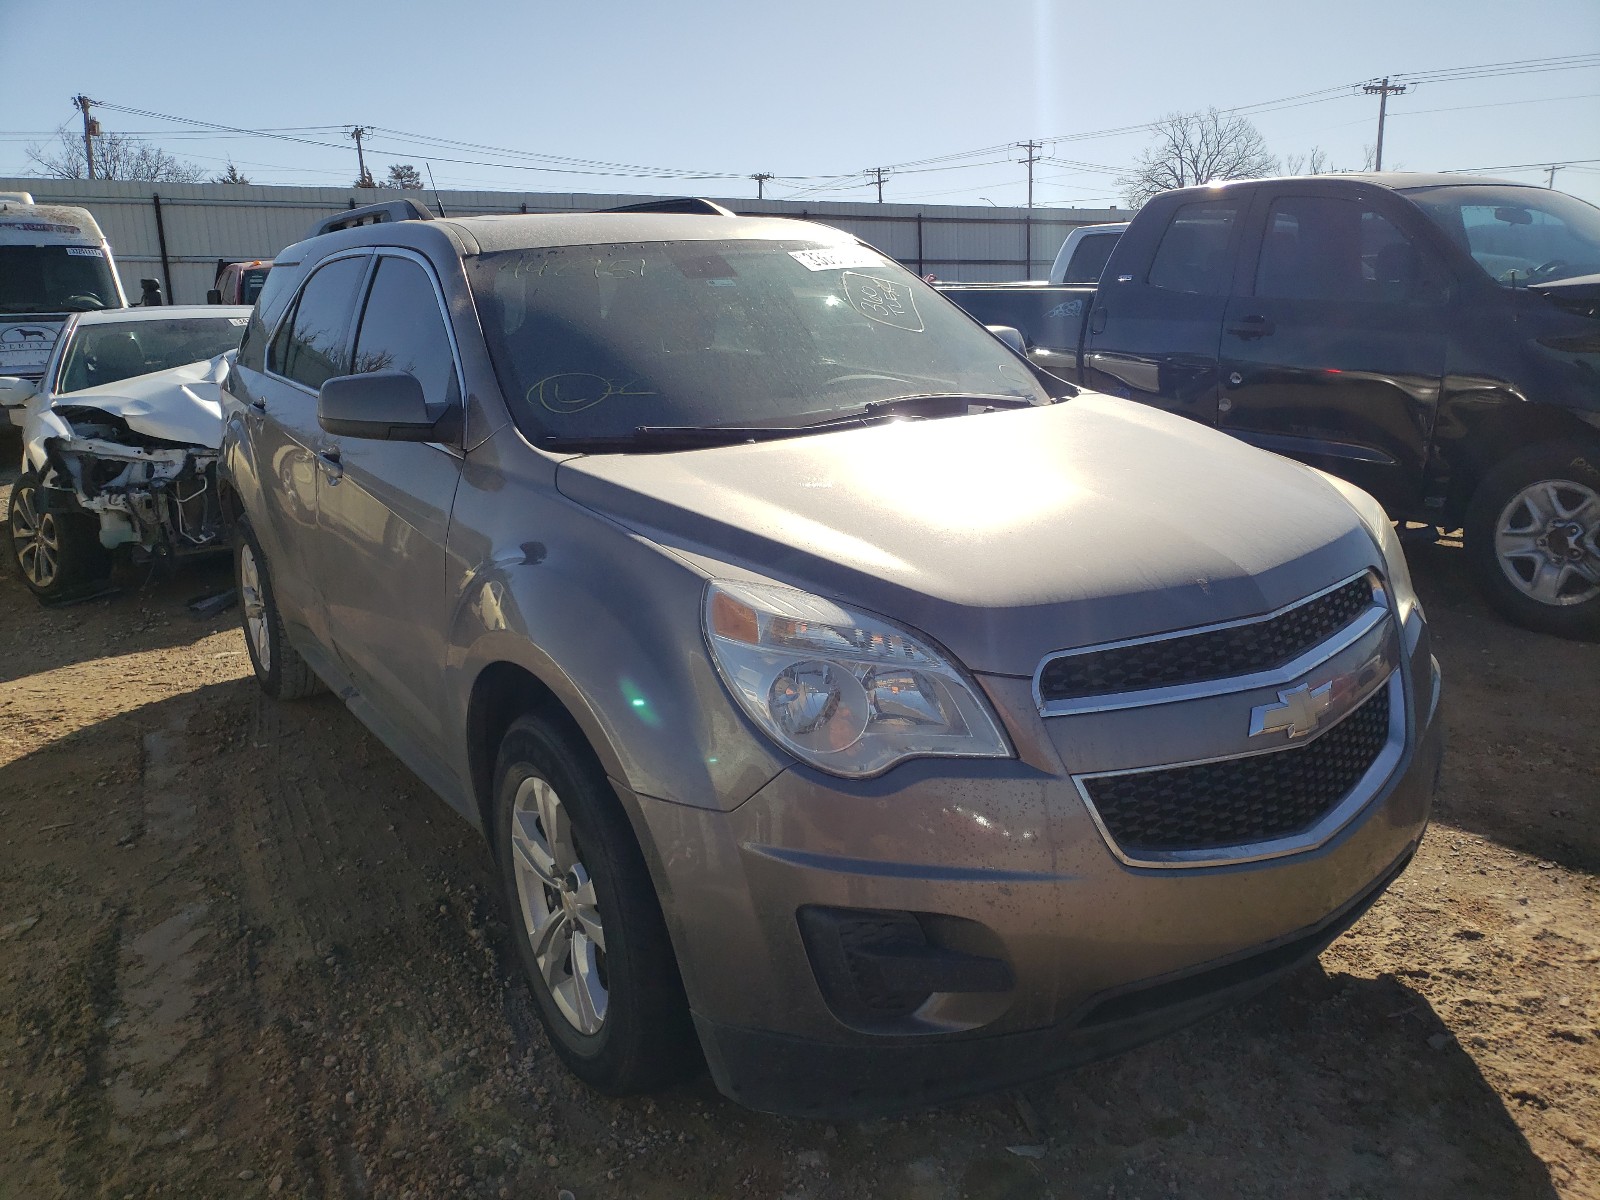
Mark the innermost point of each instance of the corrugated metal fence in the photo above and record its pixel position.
(176, 232)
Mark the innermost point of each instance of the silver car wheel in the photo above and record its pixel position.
(560, 911)
(254, 605)
(36, 540)
(1547, 540)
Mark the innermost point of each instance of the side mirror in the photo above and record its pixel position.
(14, 392)
(381, 405)
(214, 296)
(1011, 336)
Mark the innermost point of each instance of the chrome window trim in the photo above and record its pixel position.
(1359, 628)
(1331, 824)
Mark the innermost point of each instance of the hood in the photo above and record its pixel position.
(1579, 287)
(182, 404)
(1006, 535)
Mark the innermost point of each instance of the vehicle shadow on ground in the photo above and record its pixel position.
(1520, 711)
(366, 956)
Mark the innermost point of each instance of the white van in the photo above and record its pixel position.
(53, 261)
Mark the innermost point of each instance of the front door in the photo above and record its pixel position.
(1335, 353)
(1153, 331)
(383, 509)
(312, 344)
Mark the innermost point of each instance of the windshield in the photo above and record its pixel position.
(101, 354)
(51, 279)
(596, 341)
(1518, 235)
(250, 281)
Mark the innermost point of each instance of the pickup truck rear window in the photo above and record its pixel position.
(1195, 254)
(595, 341)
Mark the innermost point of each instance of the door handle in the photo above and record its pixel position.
(1251, 327)
(328, 459)
(1097, 319)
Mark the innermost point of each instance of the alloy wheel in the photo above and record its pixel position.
(1547, 540)
(36, 539)
(560, 910)
(253, 602)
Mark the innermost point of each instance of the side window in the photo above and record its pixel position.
(1321, 248)
(1194, 251)
(1089, 259)
(402, 329)
(269, 307)
(313, 345)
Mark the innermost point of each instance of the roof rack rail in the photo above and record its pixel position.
(691, 205)
(403, 209)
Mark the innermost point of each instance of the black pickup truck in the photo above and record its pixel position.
(1434, 339)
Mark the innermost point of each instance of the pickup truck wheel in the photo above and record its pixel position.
(280, 670)
(587, 924)
(58, 553)
(1533, 536)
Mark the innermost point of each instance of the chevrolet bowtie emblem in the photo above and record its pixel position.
(1297, 712)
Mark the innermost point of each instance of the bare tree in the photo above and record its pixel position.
(1315, 163)
(116, 156)
(231, 175)
(1197, 147)
(404, 175)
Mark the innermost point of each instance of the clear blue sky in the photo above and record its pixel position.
(820, 89)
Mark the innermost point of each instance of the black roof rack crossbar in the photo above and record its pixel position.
(691, 205)
(402, 209)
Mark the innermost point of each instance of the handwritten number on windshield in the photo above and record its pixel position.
(574, 391)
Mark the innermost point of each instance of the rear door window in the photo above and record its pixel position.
(1327, 248)
(1196, 252)
(314, 345)
(403, 329)
(1089, 258)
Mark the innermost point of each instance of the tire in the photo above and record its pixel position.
(280, 670)
(58, 553)
(1533, 539)
(606, 985)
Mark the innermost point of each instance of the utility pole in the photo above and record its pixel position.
(1032, 148)
(761, 178)
(1551, 182)
(1383, 91)
(879, 174)
(90, 128)
(363, 180)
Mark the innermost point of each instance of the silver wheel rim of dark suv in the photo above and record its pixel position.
(254, 607)
(35, 539)
(560, 911)
(1547, 541)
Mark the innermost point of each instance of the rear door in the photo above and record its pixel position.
(1156, 321)
(383, 509)
(1334, 350)
(312, 344)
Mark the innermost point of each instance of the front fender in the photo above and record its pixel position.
(610, 623)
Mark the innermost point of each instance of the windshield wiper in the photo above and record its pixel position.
(675, 437)
(940, 403)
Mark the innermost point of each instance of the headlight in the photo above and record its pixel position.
(1382, 530)
(845, 691)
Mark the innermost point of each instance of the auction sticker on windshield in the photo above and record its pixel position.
(835, 259)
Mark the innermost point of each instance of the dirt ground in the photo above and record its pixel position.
(244, 953)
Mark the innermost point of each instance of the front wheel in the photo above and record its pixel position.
(280, 670)
(589, 929)
(1533, 536)
(58, 553)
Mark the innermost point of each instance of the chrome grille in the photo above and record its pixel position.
(1205, 655)
(1241, 801)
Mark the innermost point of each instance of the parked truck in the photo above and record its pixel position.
(1434, 339)
(53, 261)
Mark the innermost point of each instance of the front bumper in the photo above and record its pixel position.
(1101, 954)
